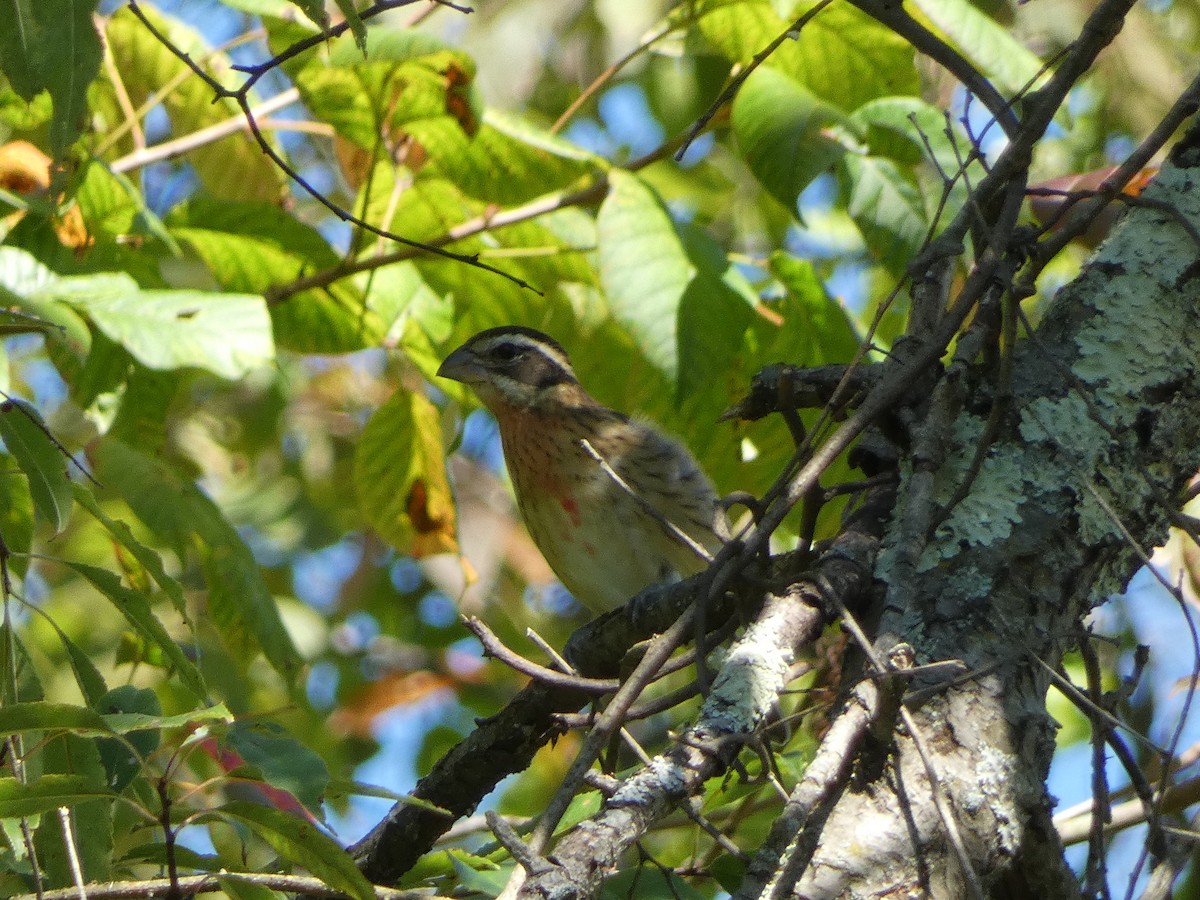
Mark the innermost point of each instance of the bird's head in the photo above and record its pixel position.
(513, 366)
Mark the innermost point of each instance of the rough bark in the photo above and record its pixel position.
(1098, 441)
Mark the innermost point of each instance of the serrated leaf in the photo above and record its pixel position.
(147, 557)
(284, 762)
(28, 441)
(240, 606)
(136, 610)
(302, 843)
(43, 716)
(780, 128)
(886, 207)
(400, 477)
(123, 759)
(16, 515)
(46, 794)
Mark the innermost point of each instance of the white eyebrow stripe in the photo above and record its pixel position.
(560, 360)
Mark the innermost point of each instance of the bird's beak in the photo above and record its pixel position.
(461, 365)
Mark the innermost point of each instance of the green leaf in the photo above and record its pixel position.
(129, 722)
(27, 285)
(39, 457)
(238, 886)
(343, 787)
(46, 793)
(676, 293)
(314, 9)
(302, 843)
(226, 334)
(254, 247)
(240, 606)
(109, 202)
(234, 167)
(91, 819)
(842, 55)
(42, 716)
(18, 678)
(124, 759)
(478, 874)
(16, 515)
(52, 45)
(400, 477)
(142, 415)
(780, 128)
(506, 162)
(644, 268)
(986, 43)
(283, 761)
(408, 79)
(807, 309)
(886, 207)
(146, 557)
(906, 130)
(136, 609)
(357, 27)
(715, 308)
(87, 676)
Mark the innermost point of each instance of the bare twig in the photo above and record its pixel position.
(493, 646)
(191, 885)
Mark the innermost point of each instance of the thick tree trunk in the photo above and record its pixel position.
(1102, 432)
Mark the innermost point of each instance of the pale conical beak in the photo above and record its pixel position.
(461, 365)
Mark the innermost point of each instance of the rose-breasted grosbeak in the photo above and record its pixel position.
(596, 489)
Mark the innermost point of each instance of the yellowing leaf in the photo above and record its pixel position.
(400, 477)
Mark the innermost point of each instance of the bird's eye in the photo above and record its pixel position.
(506, 352)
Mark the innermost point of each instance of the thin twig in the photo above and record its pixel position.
(68, 835)
(144, 156)
(607, 75)
(738, 80)
(191, 885)
(494, 647)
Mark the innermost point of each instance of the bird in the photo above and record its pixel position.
(613, 503)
